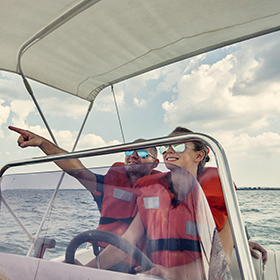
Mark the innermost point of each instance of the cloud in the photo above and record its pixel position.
(258, 70)
(57, 106)
(169, 75)
(225, 95)
(66, 138)
(11, 87)
(135, 84)
(4, 114)
(105, 100)
(91, 141)
(20, 110)
(200, 93)
(251, 146)
(139, 103)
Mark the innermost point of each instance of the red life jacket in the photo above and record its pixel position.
(119, 201)
(210, 182)
(172, 230)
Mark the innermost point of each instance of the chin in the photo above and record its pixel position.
(171, 165)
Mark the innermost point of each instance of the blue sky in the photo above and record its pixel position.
(232, 94)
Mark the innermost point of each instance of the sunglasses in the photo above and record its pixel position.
(141, 153)
(178, 148)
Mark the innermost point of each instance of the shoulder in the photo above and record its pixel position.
(210, 181)
(117, 167)
(210, 177)
(158, 178)
(208, 173)
(117, 176)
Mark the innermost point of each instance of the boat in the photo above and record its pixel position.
(120, 40)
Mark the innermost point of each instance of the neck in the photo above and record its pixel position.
(133, 178)
(193, 171)
(178, 182)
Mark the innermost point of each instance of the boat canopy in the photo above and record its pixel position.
(81, 47)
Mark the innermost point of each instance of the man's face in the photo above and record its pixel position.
(134, 162)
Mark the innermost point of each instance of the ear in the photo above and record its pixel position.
(199, 155)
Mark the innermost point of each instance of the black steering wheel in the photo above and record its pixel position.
(104, 236)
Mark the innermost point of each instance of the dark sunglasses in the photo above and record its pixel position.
(141, 153)
(178, 148)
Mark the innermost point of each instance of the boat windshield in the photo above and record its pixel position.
(166, 210)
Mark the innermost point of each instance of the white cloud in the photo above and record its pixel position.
(4, 114)
(21, 109)
(253, 159)
(67, 138)
(198, 93)
(139, 103)
(105, 100)
(170, 74)
(251, 146)
(212, 98)
(58, 106)
(12, 87)
(135, 84)
(91, 141)
(51, 101)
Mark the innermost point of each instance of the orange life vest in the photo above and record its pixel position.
(119, 201)
(210, 182)
(172, 230)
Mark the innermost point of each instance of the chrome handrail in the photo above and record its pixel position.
(239, 236)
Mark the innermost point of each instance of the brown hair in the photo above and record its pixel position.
(198, 146)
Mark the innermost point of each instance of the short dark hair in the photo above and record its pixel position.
(198, 146)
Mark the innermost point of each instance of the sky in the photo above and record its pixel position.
(232, 94)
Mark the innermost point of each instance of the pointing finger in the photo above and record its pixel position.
(23, 132)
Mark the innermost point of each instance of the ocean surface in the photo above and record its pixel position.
(75, 211)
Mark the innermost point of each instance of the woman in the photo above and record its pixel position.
(209, 180)
(173, 212)
(211, 185)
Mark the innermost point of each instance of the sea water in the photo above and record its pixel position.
(260, 212)
(75, 211)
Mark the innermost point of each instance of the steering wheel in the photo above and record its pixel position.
(104, 236)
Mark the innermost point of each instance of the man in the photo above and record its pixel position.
(113, 191)
(115, 208)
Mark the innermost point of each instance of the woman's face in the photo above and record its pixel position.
(188, 159)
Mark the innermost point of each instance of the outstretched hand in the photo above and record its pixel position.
(27, 138)
(256, 246)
